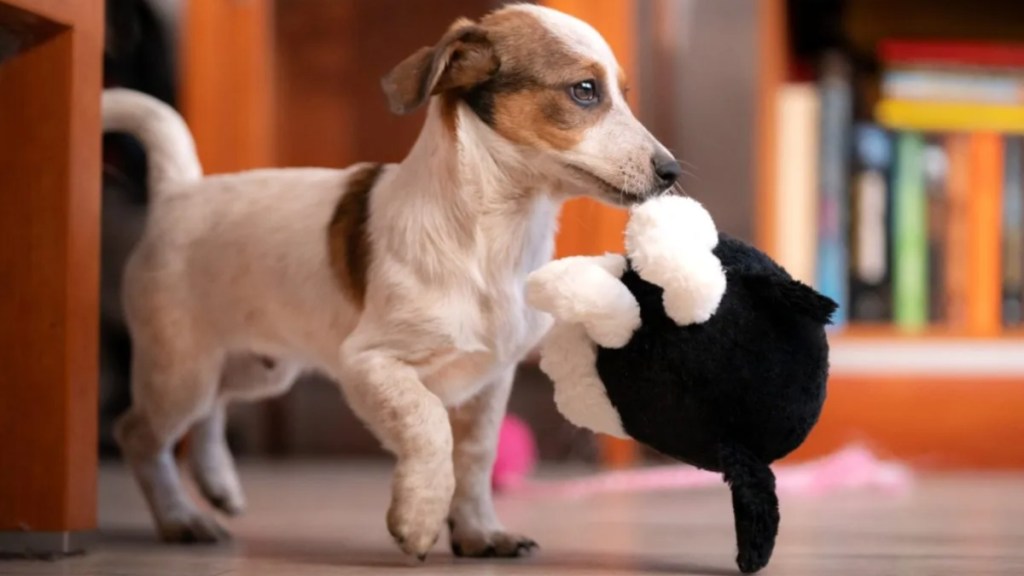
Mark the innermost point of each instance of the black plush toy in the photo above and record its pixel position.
(695, 344)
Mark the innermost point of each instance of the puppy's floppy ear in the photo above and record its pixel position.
(463, 58)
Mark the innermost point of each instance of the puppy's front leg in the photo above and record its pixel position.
(475, 528)
(412, 423)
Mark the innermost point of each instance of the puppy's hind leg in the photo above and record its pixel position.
(168, 396)
(244, 377)
(212, 465)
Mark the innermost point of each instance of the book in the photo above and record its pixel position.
(910, 248)
(1013, 235)
(936, 171)
(836, 96)
(931, 116)
(984, 212)
(942, 85)
(797, 180)
(966, 53)
(870, 225)
(958, 198)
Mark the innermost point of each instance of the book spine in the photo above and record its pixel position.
(797, 180)
(870, 285)
(957, 230)
(834, 152)
(1013, 233)
(949, 116)
(935, 177)
(992, 54)
(910, 262)
(949, 86)
(984, 287)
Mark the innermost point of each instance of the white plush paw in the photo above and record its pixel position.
(670, 241)
(693, 291)
(565, 287)
(587, 290)
(672, 221)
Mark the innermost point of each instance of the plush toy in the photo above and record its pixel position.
(695, 344)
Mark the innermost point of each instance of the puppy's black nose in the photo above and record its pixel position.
(667, 169)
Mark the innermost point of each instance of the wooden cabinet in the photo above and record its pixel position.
(50, 68)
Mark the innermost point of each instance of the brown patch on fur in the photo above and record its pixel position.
(348, 239)
(528, 99)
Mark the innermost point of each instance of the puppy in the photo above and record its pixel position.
(404, 282)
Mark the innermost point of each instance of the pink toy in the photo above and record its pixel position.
(517, 454)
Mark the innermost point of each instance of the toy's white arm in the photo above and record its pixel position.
(670, 241)
(586, 290)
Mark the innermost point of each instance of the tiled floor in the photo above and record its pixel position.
(308, 519)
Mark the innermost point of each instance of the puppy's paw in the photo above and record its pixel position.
(193, 528)
(230, 503)
(418, 510)
(489, 544)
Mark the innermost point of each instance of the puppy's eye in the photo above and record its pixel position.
(584, 93)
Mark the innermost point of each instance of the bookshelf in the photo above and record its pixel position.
(929, 390)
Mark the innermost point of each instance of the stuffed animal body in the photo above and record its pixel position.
(695, 344)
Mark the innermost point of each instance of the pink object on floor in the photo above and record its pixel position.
(853, 467)
(517, 454)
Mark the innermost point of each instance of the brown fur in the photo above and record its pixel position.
(527, 100)
(348, 240)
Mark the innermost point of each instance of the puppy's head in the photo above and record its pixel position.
(549, 84)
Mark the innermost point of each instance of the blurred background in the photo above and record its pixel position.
(869, 145)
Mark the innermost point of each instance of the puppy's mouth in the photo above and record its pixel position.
(607, 191)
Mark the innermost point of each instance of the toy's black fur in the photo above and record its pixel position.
(732, 394)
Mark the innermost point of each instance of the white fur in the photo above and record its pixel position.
(586, 290)
(172, 153)
(670, 241)
(569, 358)
(591, 307)
(236, 267)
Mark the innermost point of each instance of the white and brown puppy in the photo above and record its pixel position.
(403, 282)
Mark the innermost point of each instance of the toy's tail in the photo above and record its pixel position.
(755, 506)
(795, 296)
(170, 151)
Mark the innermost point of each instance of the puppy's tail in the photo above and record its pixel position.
(170, 151)
(754, 504)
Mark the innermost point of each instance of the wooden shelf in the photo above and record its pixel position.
(943, 356)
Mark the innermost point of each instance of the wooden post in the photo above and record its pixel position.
(50, 83)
